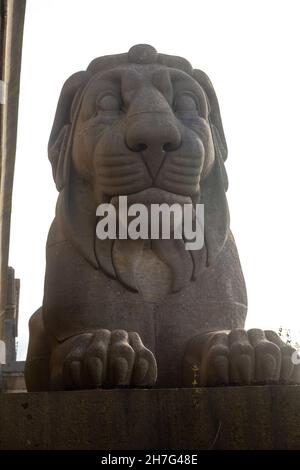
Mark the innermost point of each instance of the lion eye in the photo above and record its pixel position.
(185, 102)
(108, 103)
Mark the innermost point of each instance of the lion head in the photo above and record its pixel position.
(139, 124)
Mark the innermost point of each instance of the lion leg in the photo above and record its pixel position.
(37, 370)
(87, 360)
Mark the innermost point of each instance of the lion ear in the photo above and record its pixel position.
(60, 133)
(214, 110)
(215, 184)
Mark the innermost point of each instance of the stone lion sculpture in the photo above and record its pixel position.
(143, 312)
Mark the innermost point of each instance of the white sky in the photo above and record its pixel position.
(250, 50)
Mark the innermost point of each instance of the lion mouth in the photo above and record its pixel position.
(130, 255)
(153, 196)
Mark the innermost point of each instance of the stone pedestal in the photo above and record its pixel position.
(266, 417)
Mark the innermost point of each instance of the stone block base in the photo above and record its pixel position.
(262, 417)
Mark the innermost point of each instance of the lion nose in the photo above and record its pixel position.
(153, 136)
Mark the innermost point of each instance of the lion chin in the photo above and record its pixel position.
(153, 267)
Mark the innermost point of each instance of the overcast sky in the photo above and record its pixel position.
(250, 50)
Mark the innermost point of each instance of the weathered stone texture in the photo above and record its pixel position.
(266, 417)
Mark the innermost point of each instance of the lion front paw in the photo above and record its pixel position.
(239, 357)
(102, 358)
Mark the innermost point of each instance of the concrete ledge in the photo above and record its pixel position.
(265, 417)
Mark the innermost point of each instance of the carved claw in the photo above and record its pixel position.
(239, 357)
(102, 358)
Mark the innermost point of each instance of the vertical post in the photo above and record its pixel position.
(2, 361)
(12, 13)
(10, 328)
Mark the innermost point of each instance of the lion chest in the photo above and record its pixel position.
(141, 269)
